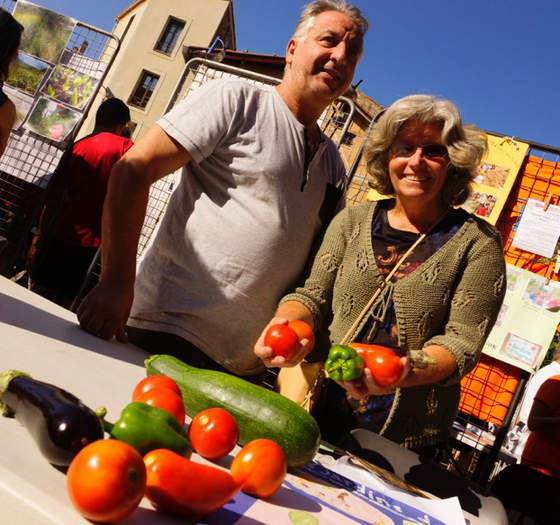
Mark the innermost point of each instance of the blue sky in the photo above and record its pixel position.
(498, 60)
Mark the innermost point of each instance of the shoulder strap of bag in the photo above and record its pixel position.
(381, 287)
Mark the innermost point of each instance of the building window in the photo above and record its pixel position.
(348, 138)
(144, 89)
(168, 38)
(340, 117)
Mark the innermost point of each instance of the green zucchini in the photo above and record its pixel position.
(259, 413)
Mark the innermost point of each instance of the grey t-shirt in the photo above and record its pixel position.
(238, 229)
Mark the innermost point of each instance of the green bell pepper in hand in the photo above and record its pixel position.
(344, 364)
(146, 428)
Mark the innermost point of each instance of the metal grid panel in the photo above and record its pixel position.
(30, 159)
(359, 182)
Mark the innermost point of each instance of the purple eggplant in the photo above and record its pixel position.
(60, 424)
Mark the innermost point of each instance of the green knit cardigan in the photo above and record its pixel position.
(452, 300)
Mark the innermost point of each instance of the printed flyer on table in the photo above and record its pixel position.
(320, 496)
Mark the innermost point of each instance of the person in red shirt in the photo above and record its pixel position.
(69, 231)
(532, 487)
(542, 450)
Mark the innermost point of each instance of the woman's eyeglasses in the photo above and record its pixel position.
(429, 151)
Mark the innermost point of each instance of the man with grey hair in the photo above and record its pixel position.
(239, 227)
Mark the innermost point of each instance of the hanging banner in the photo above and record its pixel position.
(527, 321)
(495, 177)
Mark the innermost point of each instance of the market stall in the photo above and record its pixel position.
(45, 341)
(529, 318)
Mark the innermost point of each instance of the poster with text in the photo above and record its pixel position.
(538, 229)
(495, 177)
(527, 321)
(46, 32)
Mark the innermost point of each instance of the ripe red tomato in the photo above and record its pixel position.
(150, 382)
(259, 468)
(167, 399)
(303, 331)
(181, 486)
(213, 433)
(106, 480)
(282, 339)
(386, 367)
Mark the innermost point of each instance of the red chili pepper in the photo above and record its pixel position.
(181, 486)
(386, 367)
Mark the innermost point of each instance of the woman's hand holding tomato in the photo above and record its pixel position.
(383, 373)
(284, 342)
(106, 480)
(213, 433)
(259, 468)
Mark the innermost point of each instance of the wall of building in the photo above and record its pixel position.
(139, 30)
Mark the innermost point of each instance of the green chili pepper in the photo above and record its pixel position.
(344, 364)
(146, 428)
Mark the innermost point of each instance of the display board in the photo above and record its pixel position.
(527, 320)
(495, 177)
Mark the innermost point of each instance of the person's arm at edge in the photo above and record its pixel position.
(542, 418)
(104, 311)
(7, 119)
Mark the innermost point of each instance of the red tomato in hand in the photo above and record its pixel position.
(386, 367)
(213, 433)
(259, 468)
(106, 480)
(154, 381)
(167, 399)
(282, 339)
(303, 331)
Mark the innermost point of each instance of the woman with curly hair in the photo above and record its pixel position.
(443, 299)
(11, 31)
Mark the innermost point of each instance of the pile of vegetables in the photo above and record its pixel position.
(148, 449)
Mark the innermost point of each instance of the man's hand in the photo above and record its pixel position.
(265, 352)
(104, 311)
